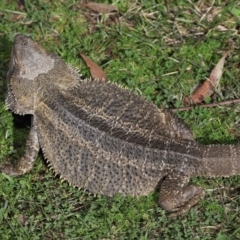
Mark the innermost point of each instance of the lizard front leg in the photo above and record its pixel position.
(26, 162)
(177, 196)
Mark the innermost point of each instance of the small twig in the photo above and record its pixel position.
(171, 73)
(206, 105)
(10, 11)
(208, 10)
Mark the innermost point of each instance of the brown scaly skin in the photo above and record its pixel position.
(103, 138)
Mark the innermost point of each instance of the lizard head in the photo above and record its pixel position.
(32, 71)
(28, 61)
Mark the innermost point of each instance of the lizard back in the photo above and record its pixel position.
(103, 138)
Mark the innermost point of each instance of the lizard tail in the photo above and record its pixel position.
(220, 160)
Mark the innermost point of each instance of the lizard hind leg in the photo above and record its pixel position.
(177, 196)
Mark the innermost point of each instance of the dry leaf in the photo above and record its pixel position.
(207, 88)
(101, 7)
(95, 70)
(22, 219)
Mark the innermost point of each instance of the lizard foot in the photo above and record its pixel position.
(10, 170)
(178, 197)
